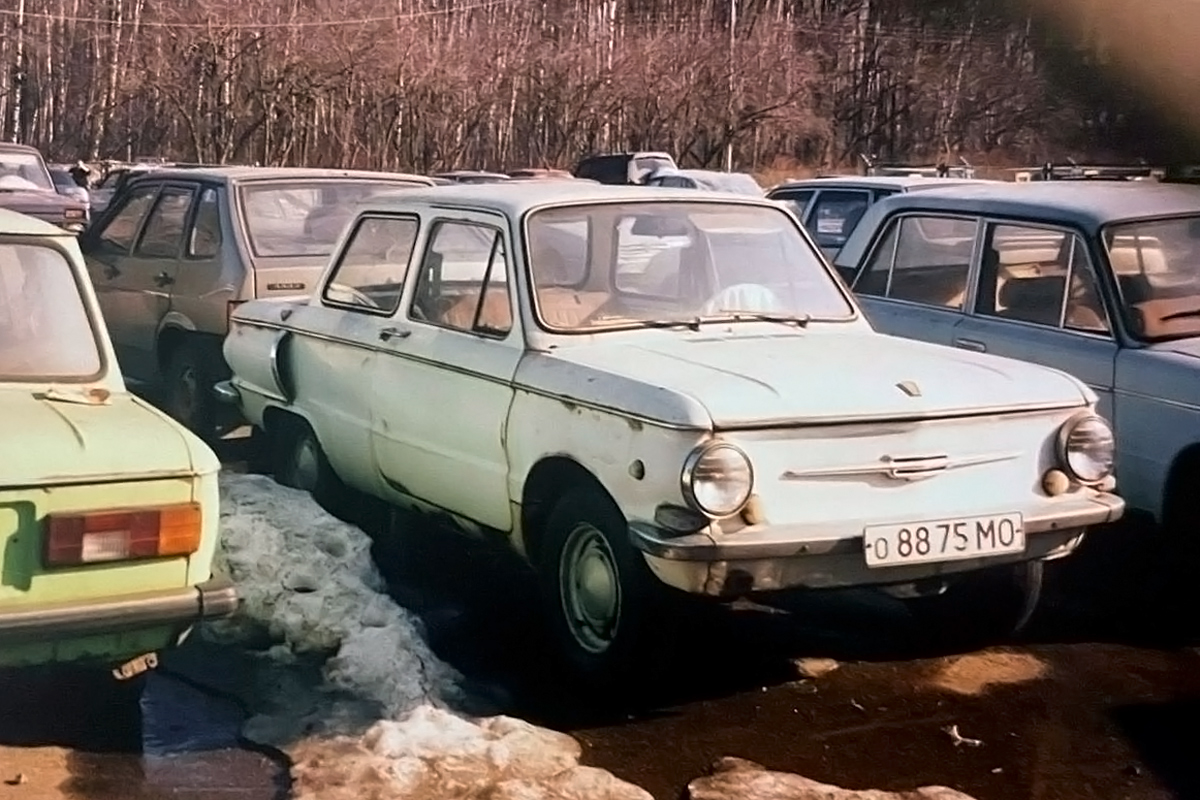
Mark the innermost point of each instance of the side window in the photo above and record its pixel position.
(122, 227)
(924, 260)
(463, 283)
(162, 236)
(835, 214)
(370, 273)
(797, 201)
(204, 241)
(1040, 276)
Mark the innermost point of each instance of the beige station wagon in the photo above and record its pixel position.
(177, 249)
(108, 507)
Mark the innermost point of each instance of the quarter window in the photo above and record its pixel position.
(205, 238)
(1040, 276)
(163, 233)
(121, 230)
(463, 283)
(370, 274)
(924, 260)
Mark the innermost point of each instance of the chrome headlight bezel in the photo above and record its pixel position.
(691, 466)
(1064, 450)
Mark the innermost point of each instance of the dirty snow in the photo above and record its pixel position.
(349, 689)
(977, 673)
(738, 779)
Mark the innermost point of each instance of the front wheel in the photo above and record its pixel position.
(602, 601)
(190, 375)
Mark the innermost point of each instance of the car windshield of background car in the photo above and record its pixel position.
(46, 333)
(303, 218)
(656, 264)
(1156, 264)
(23, 171)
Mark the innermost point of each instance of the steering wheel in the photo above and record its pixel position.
(749, 297)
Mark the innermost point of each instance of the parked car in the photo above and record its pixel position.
(1102, 283)
(179, 248)
(65, 184)
(108, 507)
(488, 353)
(709, 179)
(622, 169)
(830, 207)
(472, 176)
(26, 187)
(539, 173)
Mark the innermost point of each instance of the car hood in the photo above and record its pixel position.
(760, 381)
(48, 442)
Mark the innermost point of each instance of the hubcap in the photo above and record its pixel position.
(590, 588)
(305, 463)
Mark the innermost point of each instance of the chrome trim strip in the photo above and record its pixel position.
(209, 600)
(648, 538)
(901, 468)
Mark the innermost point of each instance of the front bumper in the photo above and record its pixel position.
(770, 558)
(177, 607)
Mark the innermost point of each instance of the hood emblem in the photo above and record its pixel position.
(910, 388)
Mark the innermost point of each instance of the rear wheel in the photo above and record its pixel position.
(603, 603)
(300, 463)
(984, 606)
(190, 374)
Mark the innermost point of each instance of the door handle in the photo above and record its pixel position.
(110, 271)
(394, 333)
(163, 279)
(971, 344)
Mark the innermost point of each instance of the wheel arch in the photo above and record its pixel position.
(550, 478)
(1177, 499)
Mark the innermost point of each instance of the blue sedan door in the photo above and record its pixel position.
(1036, 299)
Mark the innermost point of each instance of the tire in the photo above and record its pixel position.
(187, 389)
(603, 604)
(985, 607)
(300, 463)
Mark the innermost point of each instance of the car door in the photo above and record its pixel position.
(336, 341)
(131, 303)
(915, 280)
(202, 289)
(442, 387)
(1036, 299)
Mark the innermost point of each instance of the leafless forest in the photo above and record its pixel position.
(428, 84)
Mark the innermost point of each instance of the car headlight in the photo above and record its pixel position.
(717, 479)
(1086, 448)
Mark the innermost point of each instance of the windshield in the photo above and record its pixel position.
(23, 170)
(304, 218)
(45, 329)
(1157, 268)
(654, 264)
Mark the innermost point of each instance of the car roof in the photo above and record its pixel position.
(24, 148)
(1089, 205)
(875, 182)
(517, 197)
(248, 174)
(14, 223)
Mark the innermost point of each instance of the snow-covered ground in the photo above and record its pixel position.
(350, 690)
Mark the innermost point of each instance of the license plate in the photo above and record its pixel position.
(943, 540)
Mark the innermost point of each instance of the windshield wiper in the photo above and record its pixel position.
(692, 324)
(795, 320)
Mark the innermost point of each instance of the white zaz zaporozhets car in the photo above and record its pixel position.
(639, 387)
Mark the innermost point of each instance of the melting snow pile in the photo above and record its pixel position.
(738, 779)
(374, 722)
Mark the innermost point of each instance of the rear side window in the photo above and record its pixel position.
(924, 260)
(123, 226)
(204, 241)
(835, 214)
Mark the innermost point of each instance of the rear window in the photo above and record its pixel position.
(305, 218)
(46, 332)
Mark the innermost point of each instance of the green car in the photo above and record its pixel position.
(108, 507)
